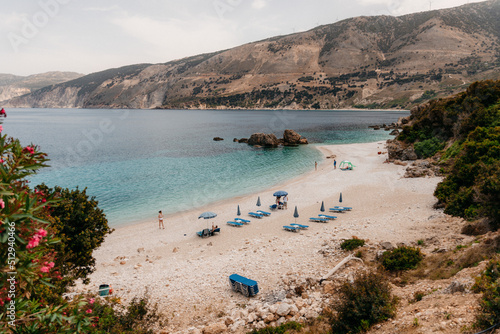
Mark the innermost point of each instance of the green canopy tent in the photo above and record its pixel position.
(346, 165)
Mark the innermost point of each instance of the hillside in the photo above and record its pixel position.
(378, 62)
(13, 86)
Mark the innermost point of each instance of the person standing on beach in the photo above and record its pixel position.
(160, 220)
(334, 164)
(285, 201)
(315, 165)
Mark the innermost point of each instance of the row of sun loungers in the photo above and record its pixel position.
(259, 214)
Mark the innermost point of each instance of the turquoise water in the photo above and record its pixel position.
(136, 162)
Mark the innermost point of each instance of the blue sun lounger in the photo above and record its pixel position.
(241, 220)
(215, 230)
(327, 217)
(204, 233)
(255, 215)
(244, 285)
(337, 210)
(235, 224)
(273, 206)
(291, 228)
(343, 207)
(302, 227)
(319, 220)
(264, 213)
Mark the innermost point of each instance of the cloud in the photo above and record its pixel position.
(259, 4)
(176, 38)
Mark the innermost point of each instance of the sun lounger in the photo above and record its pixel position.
(264, 213)
(337, 210)
(302, 227)
(319, 220)
(273, 207)
(291, 228)
(328, 217)
(235, 224)
(215, 230)
(241, 220)
(204, 233)
(343, 207)
(255, 215)
(244, 285)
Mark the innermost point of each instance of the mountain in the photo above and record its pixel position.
(381, 61)
(12, 85)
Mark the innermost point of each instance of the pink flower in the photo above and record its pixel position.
(45, 269)
(3, 113)
(32, 243)
(29, 149)
(2, 204)
(91, 301)
(51, 264)
(1, 128)
(42, 233)
(89, 311)
(44, 200)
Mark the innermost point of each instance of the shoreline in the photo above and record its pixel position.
(180, 270)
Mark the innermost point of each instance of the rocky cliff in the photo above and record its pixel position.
(374, 62)
(13, 86)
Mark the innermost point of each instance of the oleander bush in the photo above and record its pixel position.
(401, 258)
(363, 303)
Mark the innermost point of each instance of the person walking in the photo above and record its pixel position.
(160, 220)
(315, 165)
(334, 164)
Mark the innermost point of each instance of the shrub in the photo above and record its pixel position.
(363, 303)
(351, 244)
(429, 147)
(489, 305)
(111, 317)
(283, 329)
(402, 258)
(81, 227)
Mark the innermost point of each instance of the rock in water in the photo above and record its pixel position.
(218, 139)
(291, 137)
(263, 139)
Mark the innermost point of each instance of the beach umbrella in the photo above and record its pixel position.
(207, 215)
(239, 212)
(296, 214)
(340, 199)
(258, 201)
(322, 206)
(280, 193)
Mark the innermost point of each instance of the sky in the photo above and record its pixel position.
(88, 36)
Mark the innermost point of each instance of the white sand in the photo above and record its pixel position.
(191, 284)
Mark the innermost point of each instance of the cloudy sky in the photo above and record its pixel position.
(89, 36)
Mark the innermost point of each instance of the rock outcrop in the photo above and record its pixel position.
(263, 139)
(400, 151)
(292, 138)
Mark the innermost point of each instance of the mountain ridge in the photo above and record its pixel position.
(379, 61)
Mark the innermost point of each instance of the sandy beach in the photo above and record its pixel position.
(188, 275)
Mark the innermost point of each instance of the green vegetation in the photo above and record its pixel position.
(351, 244)
(402, 258)
(428, 147)
(489, 306)
(286, 328)
(138, 317)
(81, 227)
(363, 304)
(470, 124)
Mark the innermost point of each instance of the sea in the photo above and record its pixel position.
(137, 162)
